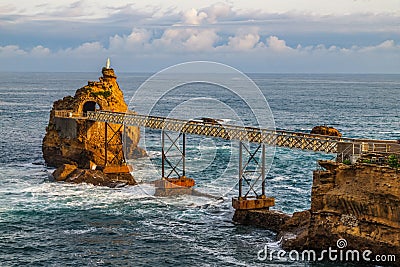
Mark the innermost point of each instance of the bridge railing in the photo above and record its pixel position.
(67, 114)
(305, 141)
(225, 131)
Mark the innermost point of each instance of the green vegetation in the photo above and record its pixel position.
(366, 161)
(347, 162)
(393, 161)
(104, 94)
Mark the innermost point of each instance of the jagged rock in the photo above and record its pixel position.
(294, 231)
(61, 173)
(80, 142)
(326, 130)
(359, 203)
(97, 177)
(270, 219)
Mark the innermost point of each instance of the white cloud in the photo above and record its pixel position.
(206, 15)
(320, 7)
(89, 48)
(85, 50)
(243, 41)
(177, 45)
(217, 11)
(193, 17)
(210, 30)
(203, 40)
(276, 44)
(384, 46)
(11, 50)
(189, 39)
(40, 51)
(136, 39)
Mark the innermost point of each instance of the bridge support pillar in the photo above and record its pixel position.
(252, 172)
(114, 158)
(173, 173)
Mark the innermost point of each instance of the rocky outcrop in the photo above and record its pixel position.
(359, 203)
(270, 219)
(63, 172)
(73, 174)
(78, 142)
(326, 130)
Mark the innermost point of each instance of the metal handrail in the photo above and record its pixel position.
(304, 141)
(67, 114)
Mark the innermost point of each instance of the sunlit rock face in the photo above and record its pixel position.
(81, 142)
(359, 203)
(326, 130)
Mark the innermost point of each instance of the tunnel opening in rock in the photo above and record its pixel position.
(90, 106)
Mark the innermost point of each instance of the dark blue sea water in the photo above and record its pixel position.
(45, 223)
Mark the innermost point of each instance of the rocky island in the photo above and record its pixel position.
(76, 146)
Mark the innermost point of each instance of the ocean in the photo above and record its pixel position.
(47, 223)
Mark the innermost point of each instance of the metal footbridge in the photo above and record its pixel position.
(296, 140)
(345, 148)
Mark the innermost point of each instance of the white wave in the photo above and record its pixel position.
(154, 154)
(275, 244)
(226, 121)
(291, 188)
(205, 147)
(80, 231)
(278, 178)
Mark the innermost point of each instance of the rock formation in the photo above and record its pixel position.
(359, 203)
(326, 130)
(79, 142)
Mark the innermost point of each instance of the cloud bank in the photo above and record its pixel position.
(150, 39)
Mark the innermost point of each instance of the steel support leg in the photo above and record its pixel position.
(114, 141)
(252, 173)
(183, 155)
(240, 169)
(162, 155)
(263, 169)
(105, 144)
(166, 162)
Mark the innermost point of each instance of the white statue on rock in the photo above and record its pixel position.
(108, 63)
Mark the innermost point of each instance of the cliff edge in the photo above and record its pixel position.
(359, 203)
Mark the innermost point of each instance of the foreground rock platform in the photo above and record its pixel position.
(359, 203)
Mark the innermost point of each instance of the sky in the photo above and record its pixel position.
(267, 36)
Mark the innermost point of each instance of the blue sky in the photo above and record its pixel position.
(343, 36)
